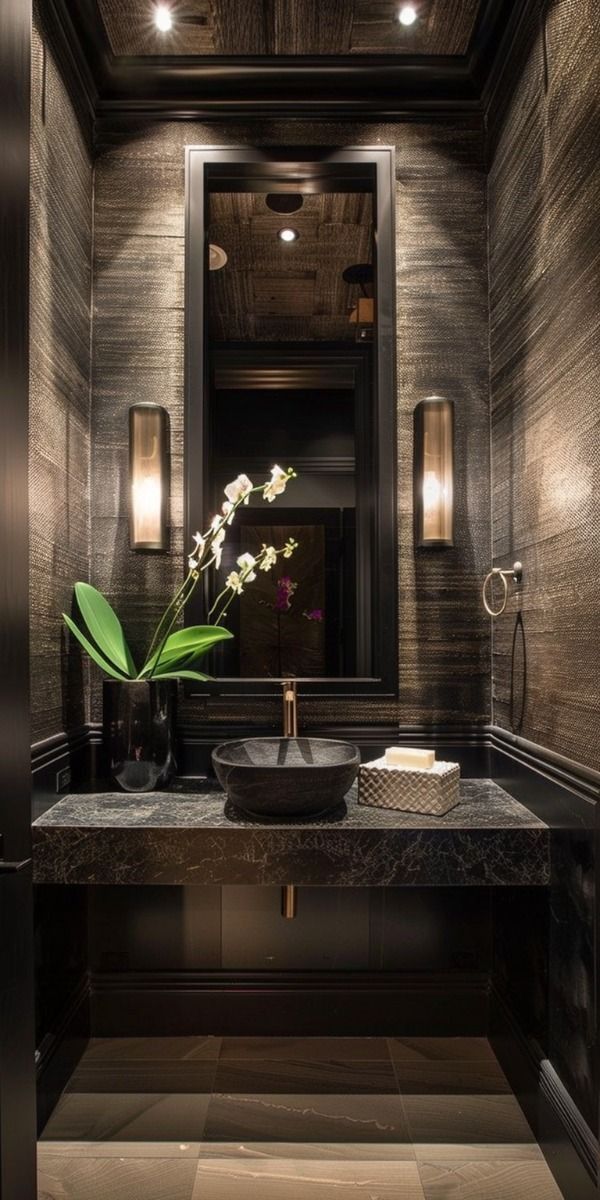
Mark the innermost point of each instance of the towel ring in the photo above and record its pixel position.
(515, 572)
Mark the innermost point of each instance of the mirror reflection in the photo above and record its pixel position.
(290, 327)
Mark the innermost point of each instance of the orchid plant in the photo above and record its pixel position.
(173, 651)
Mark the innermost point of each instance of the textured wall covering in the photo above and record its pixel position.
(544, 195)
(61, 225)
(442, 348)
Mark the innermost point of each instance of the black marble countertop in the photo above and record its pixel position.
(195, 837)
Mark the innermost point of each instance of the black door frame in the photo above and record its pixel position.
(17, 1038)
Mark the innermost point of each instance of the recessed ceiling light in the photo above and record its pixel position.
(163, 18)
(284, 202)
(407, 15)
(288, 235)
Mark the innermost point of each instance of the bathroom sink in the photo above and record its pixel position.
(286, 777)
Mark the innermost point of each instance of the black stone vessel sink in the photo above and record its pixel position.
(286, 777)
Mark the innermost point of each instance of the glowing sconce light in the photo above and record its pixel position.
(148, 477)
(433, 472)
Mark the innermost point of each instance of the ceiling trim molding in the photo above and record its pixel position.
(341, 87)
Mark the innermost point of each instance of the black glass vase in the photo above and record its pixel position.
(139, 732)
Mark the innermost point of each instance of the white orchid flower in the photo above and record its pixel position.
(289, 548)
(227, 510)
(276, 484)
(239, 489)
(234, 581)
(192, 563)
(217, 547)
(269, 558)
(247, 562)
(200, 544)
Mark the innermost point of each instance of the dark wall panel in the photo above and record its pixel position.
(59, 445)
(544, 194)
(442, 348)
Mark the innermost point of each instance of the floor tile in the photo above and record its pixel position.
(305, 1075)
(321, 1049)
(461, 1152)
(163, 1075)
(127, 1118)
(306, 1118)
(364, 1151)
(485, 1180)
(443, 1076)
(480, 1118)
(289, 1179)
(152, 1048)
(432, 1049)
(63, 1178)
(115, 1149)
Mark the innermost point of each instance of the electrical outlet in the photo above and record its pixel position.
(63, 779)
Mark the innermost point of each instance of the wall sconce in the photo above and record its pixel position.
(148, 476)
(433, 472)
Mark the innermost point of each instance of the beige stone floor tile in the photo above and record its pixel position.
(173, 1049)
(305, 1118)
(115, 1149)
(481, 1118)
(127, 1118)
(164, 1076)
(311, 1076)
(321, 1049)
(333, 1151)
(444, 1076)
(449, 1152)
(64, 1178)
(434, 1049)
(292, 1179)
(500, 1179)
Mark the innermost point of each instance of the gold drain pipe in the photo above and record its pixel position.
(289, 894)
(289, 901)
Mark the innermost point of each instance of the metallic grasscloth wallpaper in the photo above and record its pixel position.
(59, 459)
(442, 314)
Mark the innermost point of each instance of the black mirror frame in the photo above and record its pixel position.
(356, 167)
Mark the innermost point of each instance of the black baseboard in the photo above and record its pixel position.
(351, 1003)
(569, 1145)
(61, 1050)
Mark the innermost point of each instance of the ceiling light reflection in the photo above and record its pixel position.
(163, 18)
(407, 15)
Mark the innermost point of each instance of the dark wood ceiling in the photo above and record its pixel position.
(287, 58)
(283, 27)
(273, 291)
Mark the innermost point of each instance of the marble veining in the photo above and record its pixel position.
(193, 837)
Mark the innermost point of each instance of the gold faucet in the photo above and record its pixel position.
(289, 896)
(290, 708)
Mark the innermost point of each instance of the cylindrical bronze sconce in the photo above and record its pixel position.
(148, 477)
(433, 472)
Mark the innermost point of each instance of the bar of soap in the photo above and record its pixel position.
(401, 756)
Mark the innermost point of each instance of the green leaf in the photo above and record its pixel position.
(182, 675)
(104, 626)
(186, 645)
(91, 650)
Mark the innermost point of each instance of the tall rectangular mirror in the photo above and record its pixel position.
(290, 359)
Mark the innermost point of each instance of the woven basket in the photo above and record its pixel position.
(433, 791)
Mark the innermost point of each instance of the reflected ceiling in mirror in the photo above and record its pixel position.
(273, 289)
